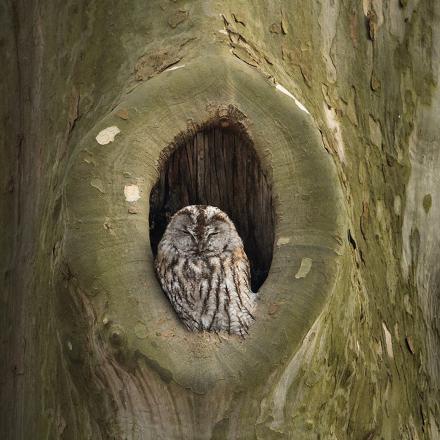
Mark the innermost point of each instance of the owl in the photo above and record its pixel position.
(203, 269)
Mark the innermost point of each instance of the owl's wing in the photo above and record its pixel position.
(171, 273)
(242, 299)
(241, 269)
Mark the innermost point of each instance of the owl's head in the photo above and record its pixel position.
(202, 231)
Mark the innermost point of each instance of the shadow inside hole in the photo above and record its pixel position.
(218, 166)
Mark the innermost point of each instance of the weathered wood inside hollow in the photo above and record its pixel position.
(219, 166)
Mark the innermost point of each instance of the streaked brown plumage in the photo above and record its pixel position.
(204, 271)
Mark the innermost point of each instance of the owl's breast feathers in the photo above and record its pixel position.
(211, 294)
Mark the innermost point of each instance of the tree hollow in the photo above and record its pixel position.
(218, 165)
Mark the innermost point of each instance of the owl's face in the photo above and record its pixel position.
(199, 230)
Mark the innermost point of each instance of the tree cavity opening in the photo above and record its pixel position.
(217, 165)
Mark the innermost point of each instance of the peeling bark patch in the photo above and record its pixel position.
(375, 82)
(354, 34)
(328, 20)
(409, 344)
(155, 62)
(276, 28)
(108, 226)
(97, 183)
(178, 17)
(107, 135)
(397, 205)
(61, 424)
(282, 241)
(375, 132)
(273, 309)
(141, 331)
(388, 341)
(131, 193)
(407, 305)
(174, 68)
(304, 269)
(334, 127)
(282, 89)
(245, 55)
(122, 113)
(427, 203)
(372, 24)
(366, 6)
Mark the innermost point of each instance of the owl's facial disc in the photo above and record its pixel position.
(203, 231)
(216, 239)
(206, 241)
(209, 244)
(185, 240)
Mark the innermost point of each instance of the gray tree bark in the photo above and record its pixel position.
(341, 101)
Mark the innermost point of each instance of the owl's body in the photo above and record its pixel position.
(204, 271)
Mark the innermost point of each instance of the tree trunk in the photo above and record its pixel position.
(337, 104)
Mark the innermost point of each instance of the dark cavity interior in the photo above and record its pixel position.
(218, 166)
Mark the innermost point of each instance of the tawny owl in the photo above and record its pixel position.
(204, 271)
